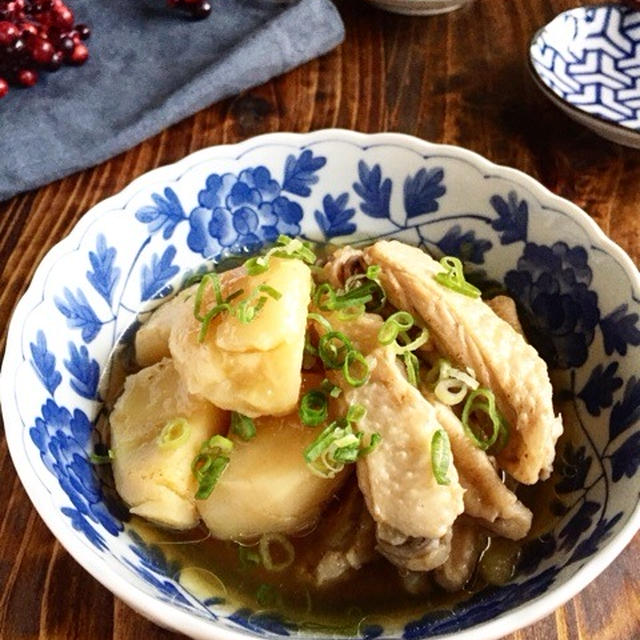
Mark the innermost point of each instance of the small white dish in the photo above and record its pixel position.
(420, 7)
(587, 62)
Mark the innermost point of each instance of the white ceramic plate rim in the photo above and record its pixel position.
(172, 617)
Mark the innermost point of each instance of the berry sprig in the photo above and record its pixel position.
(37, 36)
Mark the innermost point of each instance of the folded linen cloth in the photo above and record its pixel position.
(149, 68)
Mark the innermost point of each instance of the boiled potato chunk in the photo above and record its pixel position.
(267, 486)
(152, 339)
(253, 367)
(155, 480)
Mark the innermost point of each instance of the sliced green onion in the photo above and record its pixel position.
(324, 297)
(358, 295)
(284, 547)
(270, 291)
(294, 248)
(338, 445)
(214, 280)
(483, 401)
(249, 308)
(207, 470)
(285, 248)
(313, 451)
(450, 391)
(102, 458)
(331, 389)
(393, 325)
(355, 368)
(412, 365)
(321, 320)
(374, 441)
(208, 317)
(440, 456)
(314, 408)
(257, 265)
(331, 352)
(374, 290)
(248, 557)
(453, 277)
(345, 449)
(210, 463)
(355, 413)
(268, 596)
(243, 426)
(451, 385)
(351, 313)
(174, 433)
(411, 345)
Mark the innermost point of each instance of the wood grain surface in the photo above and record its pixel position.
(460, 79)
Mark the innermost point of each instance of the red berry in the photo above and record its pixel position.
(56, 61)
(27, 77)
(79, 54)
(4, 87)
(8, 32)
(83, 31)
(41, 50)
(29, 28)
(64, 17)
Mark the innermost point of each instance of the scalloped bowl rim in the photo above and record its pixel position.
(172, 617)
(585, 118)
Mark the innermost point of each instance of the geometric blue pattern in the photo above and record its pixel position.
(590, 57)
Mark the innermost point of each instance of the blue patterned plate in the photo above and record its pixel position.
(587, 61)
(581, 291)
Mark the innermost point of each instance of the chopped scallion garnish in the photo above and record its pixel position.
(412, 365)
(488, 431)
(286, 247)
(321, 320)
(453, 277)
(374, 288)
(333, 348)
(283, 553)
(209, 464)
(331, 389)
(314, 408)
(440, 456)
(102, 458)
(243, 426)
(396, 323)
(248, 557)
(411, 345)
(355, 413)
(174, 433)
(355, 368)
(268, 596)
(338, 445)
(249, 308)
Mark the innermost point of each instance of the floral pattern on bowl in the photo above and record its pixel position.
(581, 292)
(587, 61)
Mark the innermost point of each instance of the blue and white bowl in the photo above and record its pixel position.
(581, 290)
(587, 61)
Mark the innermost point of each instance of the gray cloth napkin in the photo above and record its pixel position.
(149, 68)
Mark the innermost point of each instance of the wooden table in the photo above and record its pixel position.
(460, 79)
